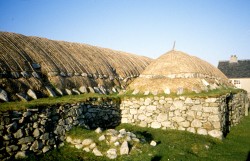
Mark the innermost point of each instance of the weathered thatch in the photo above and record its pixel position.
(177, 70)
(33, 62)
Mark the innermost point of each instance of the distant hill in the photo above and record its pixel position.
(32, 63)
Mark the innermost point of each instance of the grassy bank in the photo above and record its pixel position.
(203, 94)
(172, 145)
(83, 97)
(52, 101)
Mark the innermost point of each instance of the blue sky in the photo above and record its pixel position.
(210, 29)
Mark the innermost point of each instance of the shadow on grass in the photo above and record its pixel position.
(248, 156)
(156, 158)
(147, 136)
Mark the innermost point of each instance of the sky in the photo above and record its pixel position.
(212, 30)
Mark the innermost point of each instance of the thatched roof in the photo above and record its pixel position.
(60, 56)
(33, 62)
(176, 69)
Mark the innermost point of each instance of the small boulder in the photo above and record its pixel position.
(68, 139)
(25, 140)
(113, 139)
(114, 90)
(77, 141)
(83, 89)
(124, 149)
(91, 90)
(112, 132)
(155, 125)
(86, 149)
(78, 146)
(123, 132)
(216, 134)
(84, 74)
(50, 91)
(18, 134)
(68, 91)
(101, 138)
(87, 142)
(103, 90)
(22, 96)
(111, 153)
(59, 91)
(92, 146)
(167, 91)
(36, 133)
(3, 95)
(135, 92)
(45, 149)
(153, 143)
(97, 90)
(146, 93)
(98, 130)
(96, 152)
(117, 143)
(36, 145)
(21, 154)
(75, 91)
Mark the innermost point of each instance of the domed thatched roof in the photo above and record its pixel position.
(175, 70)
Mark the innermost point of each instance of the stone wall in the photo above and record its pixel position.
(207, 116)
(40, 129)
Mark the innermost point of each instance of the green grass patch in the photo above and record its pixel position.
(203, 94)
(172, 145)
(53, 100)
(20, 105)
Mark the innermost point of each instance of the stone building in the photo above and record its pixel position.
(178, 72)
(238, 72)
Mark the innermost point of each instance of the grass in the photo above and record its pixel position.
(203, 94)
(52, 101)
(83, 97)
(172, 145)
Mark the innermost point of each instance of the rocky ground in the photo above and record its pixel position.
(110, 143)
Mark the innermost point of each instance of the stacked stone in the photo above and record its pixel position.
(238, 107)
(43, 128)
(120, 142)
(206, 116)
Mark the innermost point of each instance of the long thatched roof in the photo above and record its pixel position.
(28, 62)
(176, 69)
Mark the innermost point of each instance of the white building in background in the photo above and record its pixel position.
(238, 71)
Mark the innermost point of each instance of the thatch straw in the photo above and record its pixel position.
(176, 69)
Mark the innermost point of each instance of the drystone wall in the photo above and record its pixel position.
(207, 116)
(40, 129)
